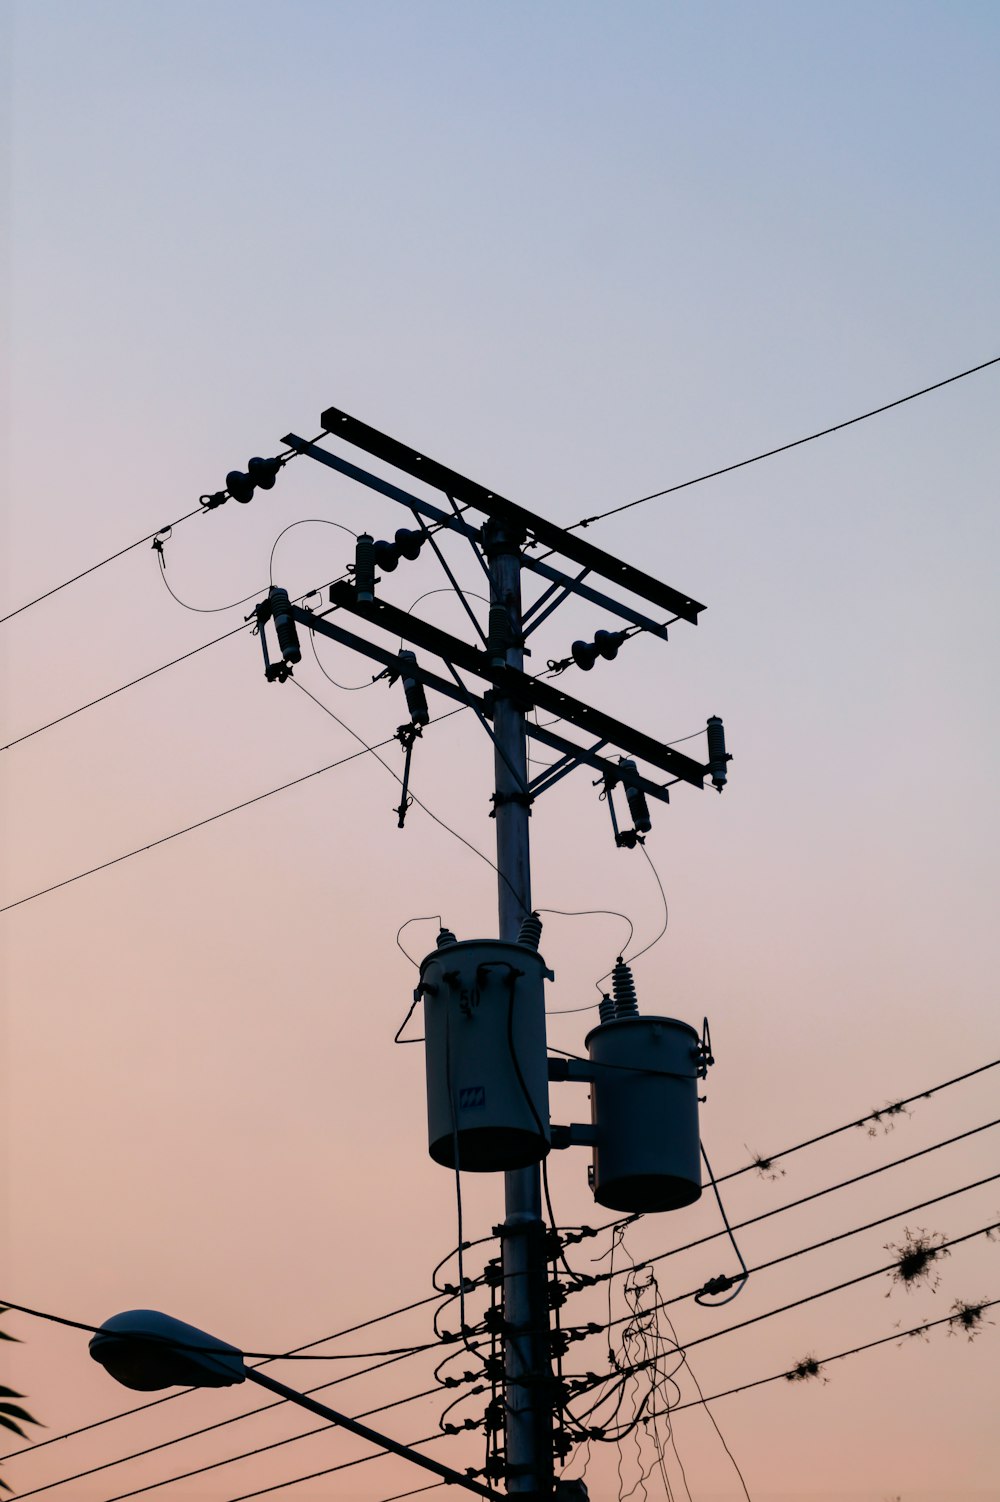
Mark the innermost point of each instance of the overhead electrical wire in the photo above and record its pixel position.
(585, 521)
(429, 812)
(92, 703)
(75, 578)
(652, 1309)
(212, 818)
(222, 1424)
(345, 1465)
(300, 1354)
(808, 1298)
(805, 1199)
(215, 1465)
(815, 1246)
(784, 447)
(199, 510)
(821, 1361)
(122, 687)
(155, 1402)
(761, 1162)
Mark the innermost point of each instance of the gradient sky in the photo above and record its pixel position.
(579, 252)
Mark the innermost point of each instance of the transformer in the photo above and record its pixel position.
(644, 1074)
(485, 1052)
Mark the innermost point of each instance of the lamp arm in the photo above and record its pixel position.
(254, 1374)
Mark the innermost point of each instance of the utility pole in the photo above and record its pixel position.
(644, 1127)
(527, 1359)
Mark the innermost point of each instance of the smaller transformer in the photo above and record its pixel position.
(644, 1074)
(485, 1051)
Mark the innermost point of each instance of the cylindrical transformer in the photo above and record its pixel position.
(487, 1071)
(644, 1106)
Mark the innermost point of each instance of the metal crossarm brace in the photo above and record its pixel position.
(531, 692)
(420, 467)
(471, 533)
(464, 696)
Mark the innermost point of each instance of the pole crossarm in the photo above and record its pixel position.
(473, 534)
(577, 755)
(530, 692)
(420, 467)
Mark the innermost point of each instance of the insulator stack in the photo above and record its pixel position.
(717, 757)
(445, 939)
(637, 805)
(263, 472)
(364, 568)
(530, 933)
(284, 625)
(605, 644)
(499, 636)
(261, 475)
(606, 1009)
(623, 987)
(407, 544)
(416, 699)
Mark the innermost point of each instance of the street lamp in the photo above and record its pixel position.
(146, 1350)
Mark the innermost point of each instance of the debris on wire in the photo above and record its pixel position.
(916, 1257)
(804, 1370)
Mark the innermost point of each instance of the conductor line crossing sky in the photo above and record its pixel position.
(80, 876)
(394, 1358)
(585, 521)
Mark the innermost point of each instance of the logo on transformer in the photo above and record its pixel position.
(472, 1097)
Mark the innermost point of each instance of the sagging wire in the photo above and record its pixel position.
(423, 918)
(630, 959)
(724, 1283)
(197, 609)
(304, 521)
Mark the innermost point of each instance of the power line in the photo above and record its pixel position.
(212, 818)
(897, 1335)
(222, 1424)
(179, 1345)
(585, 521)
(260, 1450)
(169, 1397)
(814, 1247)
(200, 510)
(329, 1470)
(122, 687)
(437, 820)
(804, 1200)
(894, 1108)
(784, 447)
(808, 1298)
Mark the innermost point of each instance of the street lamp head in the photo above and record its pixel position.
(146, 1350)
